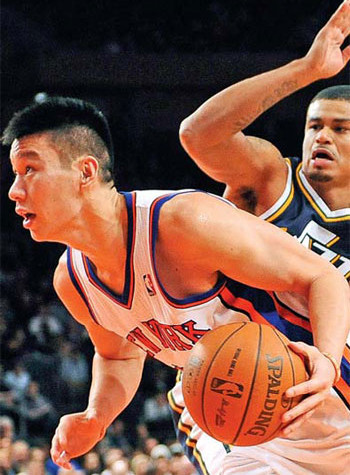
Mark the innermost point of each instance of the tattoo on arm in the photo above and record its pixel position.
(281, 92)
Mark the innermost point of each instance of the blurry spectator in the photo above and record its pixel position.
(121, 467)
(6, 438)
(45, 327)
(5, 461)
(7, 428)
(161, 455)
(150, 442)
(157, 417)
(75, 373)
(14, 345)
(116, 436)
(8, 403)
(20, 453)
(109, 457)
(17, 379)
(40, 416)
(92, 463)
(180, 465)
(142, 464)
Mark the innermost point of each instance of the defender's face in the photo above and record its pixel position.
(44, 190)
(326, 147)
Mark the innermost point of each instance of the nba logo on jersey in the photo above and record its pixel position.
(227, 388)
(149, 285)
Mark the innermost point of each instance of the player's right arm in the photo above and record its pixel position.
(253, 169)
(116, 374)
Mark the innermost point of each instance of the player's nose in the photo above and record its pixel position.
(17, 191)
(324, 135)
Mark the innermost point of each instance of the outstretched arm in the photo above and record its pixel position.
(208, 236)
(116, 375)
(213, 136)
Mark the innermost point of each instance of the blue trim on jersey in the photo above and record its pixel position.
(76, 284)
(265, 306)
(345, 370)
(124, 297)
(154, 224)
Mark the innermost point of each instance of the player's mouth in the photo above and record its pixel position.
(28, 217)
(321, 155)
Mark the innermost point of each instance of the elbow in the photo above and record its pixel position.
(185, 134)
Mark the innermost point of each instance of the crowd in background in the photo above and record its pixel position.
(45, 373)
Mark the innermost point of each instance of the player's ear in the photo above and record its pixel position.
(88, 168)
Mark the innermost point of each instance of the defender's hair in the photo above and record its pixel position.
(76, 125)
(339, 93)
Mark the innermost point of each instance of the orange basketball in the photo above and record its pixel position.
(235, 379)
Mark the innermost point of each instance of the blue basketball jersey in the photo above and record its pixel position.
(303, 213)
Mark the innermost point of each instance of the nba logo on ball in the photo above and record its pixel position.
(235, 379)
(227, 388)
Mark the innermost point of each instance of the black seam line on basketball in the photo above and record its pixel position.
(251, 386)
(208, 370)
(342, 397)
(232, 307)
(284, 305)
(293, 373)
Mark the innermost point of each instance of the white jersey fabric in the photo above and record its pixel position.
(167, 328)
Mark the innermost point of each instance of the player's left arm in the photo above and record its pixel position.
(213, 237)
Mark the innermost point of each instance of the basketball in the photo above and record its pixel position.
(235, 379)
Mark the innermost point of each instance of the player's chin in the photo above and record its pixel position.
(37, 236)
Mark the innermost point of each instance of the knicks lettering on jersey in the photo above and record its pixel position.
(179, 337)
(321, 240)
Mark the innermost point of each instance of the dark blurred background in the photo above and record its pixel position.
(147, 65)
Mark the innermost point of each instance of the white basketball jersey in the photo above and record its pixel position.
(145, 314)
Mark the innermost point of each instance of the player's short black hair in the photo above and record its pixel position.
(340, 93)
(74, 123)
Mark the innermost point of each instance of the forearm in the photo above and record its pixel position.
(329, 307)
(114, 384)
(237, 106)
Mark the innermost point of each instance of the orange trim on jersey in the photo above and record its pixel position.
(109, 293)
(314, 204)
(289, 315)
(173, 404)
(243, 304)
(343, 388)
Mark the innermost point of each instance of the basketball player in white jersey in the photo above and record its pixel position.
(147, 273)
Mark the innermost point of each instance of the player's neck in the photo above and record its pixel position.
(335, 197)
(101, 227)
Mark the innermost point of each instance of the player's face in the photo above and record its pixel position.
(326, 148)
(44, 189)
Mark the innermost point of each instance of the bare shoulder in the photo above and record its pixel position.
(188, 214)
(67, 293)
(61, 279)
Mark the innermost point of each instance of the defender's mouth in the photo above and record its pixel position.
(322, 154)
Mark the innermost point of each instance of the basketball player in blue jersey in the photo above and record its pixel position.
(309, 199)
(148, 273)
